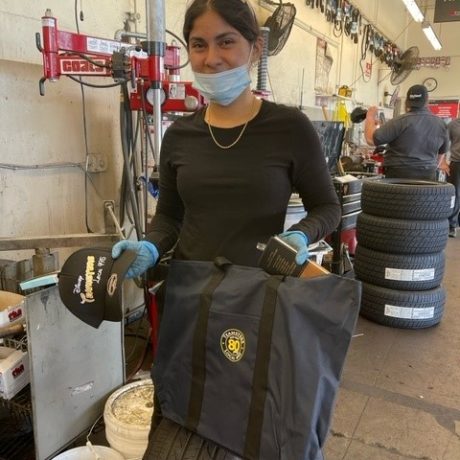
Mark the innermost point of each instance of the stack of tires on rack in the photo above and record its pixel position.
(402, 233)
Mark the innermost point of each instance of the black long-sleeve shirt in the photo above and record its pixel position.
(217, 202)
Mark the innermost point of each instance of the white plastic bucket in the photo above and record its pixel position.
(86, 453)
(127, 417)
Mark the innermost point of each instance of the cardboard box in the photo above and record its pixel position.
(11, 308)
(14, 371)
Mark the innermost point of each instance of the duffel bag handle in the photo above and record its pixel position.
(199, 345)
(260, 376)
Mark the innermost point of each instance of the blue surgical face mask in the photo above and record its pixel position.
(223, 87)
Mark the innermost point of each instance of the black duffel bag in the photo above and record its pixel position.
(253, 361)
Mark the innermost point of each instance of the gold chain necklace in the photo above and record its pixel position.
(225, 147)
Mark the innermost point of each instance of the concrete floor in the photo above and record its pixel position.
(400, 392)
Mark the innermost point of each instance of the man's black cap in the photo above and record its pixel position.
(417, 96)
(90, 284)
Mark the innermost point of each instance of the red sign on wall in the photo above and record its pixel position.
(444, 109)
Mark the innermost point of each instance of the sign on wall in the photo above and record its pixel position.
(433, 61)
(447, 109)
(447, 11)
(324, 61)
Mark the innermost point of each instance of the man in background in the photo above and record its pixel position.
(416, 141)
(454, 172)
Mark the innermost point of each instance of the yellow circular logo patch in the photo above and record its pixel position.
(233, 344)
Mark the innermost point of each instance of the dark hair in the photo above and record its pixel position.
(238, 13)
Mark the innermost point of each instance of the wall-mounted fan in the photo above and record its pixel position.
(403, 65)
(393, 97)
(280, 25)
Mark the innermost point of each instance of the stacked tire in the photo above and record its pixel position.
(402, 233)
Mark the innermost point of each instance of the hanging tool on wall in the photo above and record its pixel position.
(366, 69)
(338, 22)
(331, 10)
(321, 5)
(355, 25)
(368, 38)
(347, 10)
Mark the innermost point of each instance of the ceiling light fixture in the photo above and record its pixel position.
(432, 37)
(414, 10)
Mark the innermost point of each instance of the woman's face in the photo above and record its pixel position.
(215, 46)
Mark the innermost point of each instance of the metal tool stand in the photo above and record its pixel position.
(73, 369)
(349, 194)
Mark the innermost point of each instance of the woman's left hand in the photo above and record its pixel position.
(444, 166)
(299, 241)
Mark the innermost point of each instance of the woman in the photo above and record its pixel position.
(228, 170)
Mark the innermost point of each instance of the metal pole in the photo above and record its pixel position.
(155, 18)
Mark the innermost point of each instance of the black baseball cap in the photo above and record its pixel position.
(417, 96)
(90, 284)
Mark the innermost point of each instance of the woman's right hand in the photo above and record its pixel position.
(147, 256)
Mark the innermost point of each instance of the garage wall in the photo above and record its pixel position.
(42, 180)
(44, 136)
(299, 52)
(447, 77)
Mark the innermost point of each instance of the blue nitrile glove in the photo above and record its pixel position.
(299, 241)
(147, 256)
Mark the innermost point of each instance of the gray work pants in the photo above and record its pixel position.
(454, 179)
